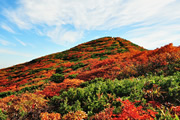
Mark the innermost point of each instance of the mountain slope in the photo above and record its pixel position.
(105, 58)
(35, 72)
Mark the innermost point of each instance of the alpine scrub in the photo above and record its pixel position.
(108, 78)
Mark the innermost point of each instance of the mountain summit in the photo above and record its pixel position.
(98, 48)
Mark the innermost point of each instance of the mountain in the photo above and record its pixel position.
(82, 66)
(38, 70)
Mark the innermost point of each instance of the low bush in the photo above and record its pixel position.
(59, 70)
(72, 76)
(2, 115)
(57, 78)
(4, 94)
(98, 94)
(122, 50)
(75, 67)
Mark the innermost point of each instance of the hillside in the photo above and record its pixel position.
(84, 55)
(94, 79)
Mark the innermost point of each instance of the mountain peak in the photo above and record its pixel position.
(107, 43)
(98, 48)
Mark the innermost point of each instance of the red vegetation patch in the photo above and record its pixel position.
(53, 88)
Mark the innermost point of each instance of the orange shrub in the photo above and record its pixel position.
(78, 115)
(24, 105)
(50, 116)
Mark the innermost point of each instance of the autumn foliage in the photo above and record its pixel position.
(27, 105)
(128, 111)
(28, 90)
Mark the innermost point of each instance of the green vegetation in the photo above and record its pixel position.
(101, 55)
(72, 76)
(2, 115)
(29, 89)
(57, 78)
(79, 65)
(38, 70)
(111, 47)
(64, 56)
(59, 56)
(122, 50)
(95, 95)
(59, 70)
(4, 94)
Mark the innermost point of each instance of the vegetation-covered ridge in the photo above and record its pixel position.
(107, 78)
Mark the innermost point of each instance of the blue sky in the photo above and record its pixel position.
(34, 28)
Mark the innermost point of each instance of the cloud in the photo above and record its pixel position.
(10, 52)
(5, 42)
(21, 42)
(7, 28)
(62, 36)
(154, 36)
(89, 15)
(18, 17)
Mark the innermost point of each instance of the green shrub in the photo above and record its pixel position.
(59, 56)
(93, 98)
(2, 115)
(103, 57)
(96, 55)
(75, 67)
(59, 70)
(111, 47)
(71, 59)
(73, 76)
(95, 95)
(29, 89)
(57, 78)
(4, 94)
(114, 44)
(122, 50)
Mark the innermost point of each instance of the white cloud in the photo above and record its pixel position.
(64, 37)
(84, 15)
(21, 42)
(155, 36)
(10, 52)
(5, 42)
(19, 18)
(7, 28)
